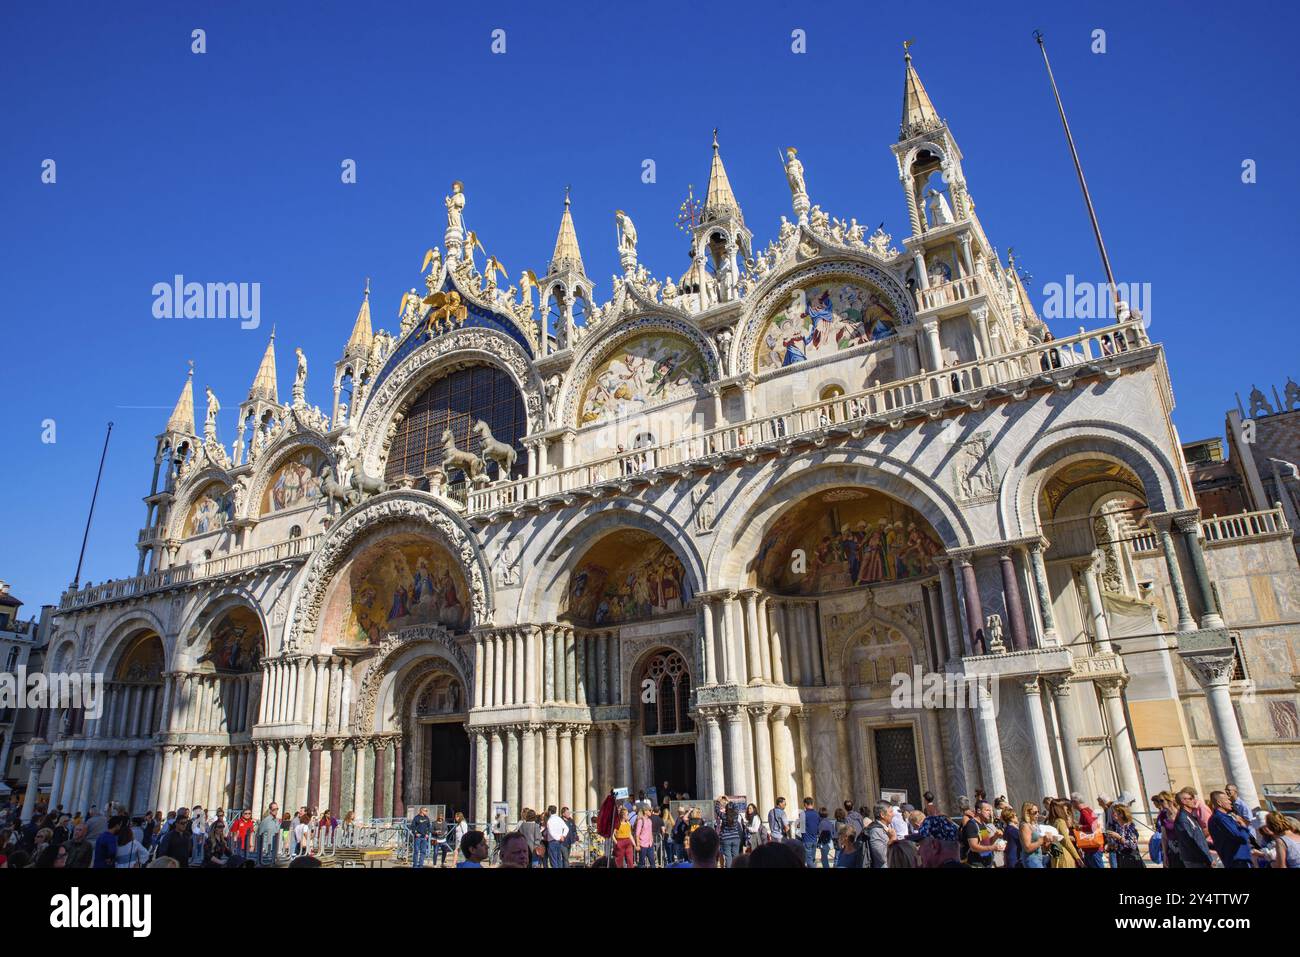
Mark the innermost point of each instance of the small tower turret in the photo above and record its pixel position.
(350, 373)
(566, 283)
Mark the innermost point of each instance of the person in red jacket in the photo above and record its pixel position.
(240, 832)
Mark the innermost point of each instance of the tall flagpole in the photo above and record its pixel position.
(1083, 184)
(76, 579)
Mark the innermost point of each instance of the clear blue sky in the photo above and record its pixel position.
(226, 167)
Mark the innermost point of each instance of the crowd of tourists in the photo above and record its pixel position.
(627, 832)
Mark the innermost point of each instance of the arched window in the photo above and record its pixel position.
(295, 532)
(457, 402)
(665, 711)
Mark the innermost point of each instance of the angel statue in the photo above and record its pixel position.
(527, 283)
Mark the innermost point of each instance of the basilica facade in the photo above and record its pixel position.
(692, 535)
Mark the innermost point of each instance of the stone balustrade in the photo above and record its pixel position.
(165, 578)
(1007, 372)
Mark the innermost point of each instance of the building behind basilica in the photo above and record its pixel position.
(690, 535)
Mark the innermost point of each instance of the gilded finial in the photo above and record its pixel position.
(906, 44)
(566, 195)
(715, 139)
(191, 372)
(367, 287)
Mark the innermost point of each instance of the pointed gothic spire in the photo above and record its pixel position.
(362, 334)
(182, 417)
(919, 115)
(264, 386)
(567, 254)
(720, 201)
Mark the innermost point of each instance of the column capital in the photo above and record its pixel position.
(782, 711)
(1032, 687)
(717, 594)
(1059, 685)
(1112, 685)
(1211, 668)
(760, 711)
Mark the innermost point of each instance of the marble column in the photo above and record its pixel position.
(56, 782)
(708, 648)
(480, 669)
(1065, 719)
(753, 654)
(548, 666)
(1044, 592)
(1044, 775)
(381, 776)
(336, 777)
(37, 756)
(512, 772)
(763, 770)
(974, 608)
(716, 779)
(570, 667)
(566, 762)
(771, 611)
(531, 796)
(1126, 767)
(580, 777)
(551, 766)
(1185, 620)
(496, 764)
(608, 762)
(735, 751)
(602, 669)
(1096, 610)
(508, 677)
(804, 775)
(624, 746)
(1189, 528)
(1015, 609)
(847, 772)
(580, 671)
(481, 798)
(399, 776)
(1213, 670)
(313, 774)
(784, 781)
(988, 740)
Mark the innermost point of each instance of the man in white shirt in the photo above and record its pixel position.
(557, 829)
(899, 822)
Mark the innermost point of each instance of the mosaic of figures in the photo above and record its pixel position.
(236, 642)
(296, 483)
(624, 577)
(648, 369)
(843, 538)
(821, 319)
(402, 581)
(211, 511)
(440, 696)
(143, 662)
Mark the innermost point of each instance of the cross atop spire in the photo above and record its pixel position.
(919, 115)
(567, 254)
(264, 386)
(720, 201)
(182, 417)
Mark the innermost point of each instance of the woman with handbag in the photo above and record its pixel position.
(753, 828)
(1122, 840)
(1062, 815)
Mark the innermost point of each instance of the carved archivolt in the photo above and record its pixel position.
(439, 641)
(272, 459)
(744, 345)
(383, 408)
(620, 332)
(412, 509)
